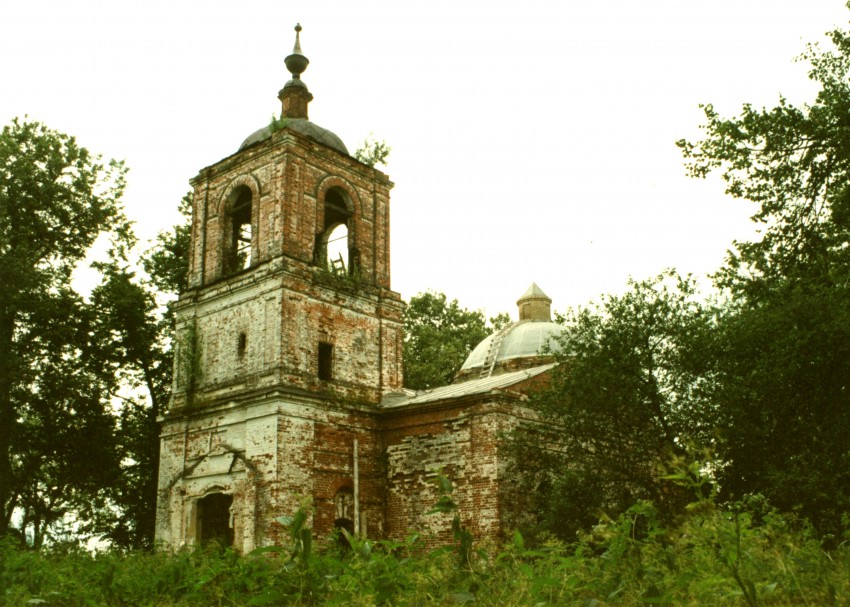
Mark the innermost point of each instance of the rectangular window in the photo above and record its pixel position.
(326, 360)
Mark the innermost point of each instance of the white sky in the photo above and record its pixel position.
(532, 141)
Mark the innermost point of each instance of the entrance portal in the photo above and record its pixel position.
(214, 524)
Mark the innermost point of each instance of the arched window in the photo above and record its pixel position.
(239, 234)
(214, 519)
(333, 246)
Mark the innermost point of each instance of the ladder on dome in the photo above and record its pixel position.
(493, 351)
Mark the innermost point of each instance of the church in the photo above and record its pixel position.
(288, 361)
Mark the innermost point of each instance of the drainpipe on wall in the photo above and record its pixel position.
(356, 491)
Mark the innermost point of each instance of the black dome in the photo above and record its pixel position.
(303, 126)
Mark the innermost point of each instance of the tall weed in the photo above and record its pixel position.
(741, 554)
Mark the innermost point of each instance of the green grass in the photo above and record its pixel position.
(747, 555)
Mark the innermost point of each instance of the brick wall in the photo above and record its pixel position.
(260, 327)
(463, 439)
(288, 176)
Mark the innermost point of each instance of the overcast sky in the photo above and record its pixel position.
(532, 141)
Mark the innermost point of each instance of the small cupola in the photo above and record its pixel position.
(294, 95)
(535, 304)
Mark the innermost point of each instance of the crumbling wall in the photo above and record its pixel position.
(272, 457)
(458, 439)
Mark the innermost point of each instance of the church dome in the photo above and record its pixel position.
(303, 126)
(521, 339)
(519, 345)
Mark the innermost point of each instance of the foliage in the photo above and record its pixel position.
(743, 554)
(499, 321)
(627, 395)
(57, 449)
(462, 535)
(277, 124)
(167, 262)
(372, 152)
(81, 381)
(780, 386)
(760, 377)
(438, 336)
(132, 349)
(793, 163)
(136, 332)
(783, 355)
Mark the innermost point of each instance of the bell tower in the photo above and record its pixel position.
(287, 336)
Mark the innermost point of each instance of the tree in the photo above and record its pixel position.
(372, 152)
(133, 349)
(780, 381)
(438, 336)
(627, 395)
(793, 162)
(167, 262)
(783, 354)
(55, 200)
(135, 330)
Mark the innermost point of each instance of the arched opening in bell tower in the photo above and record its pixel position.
(337, 246)
(239, 237)
(334, 242)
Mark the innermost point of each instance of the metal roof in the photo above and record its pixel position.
(467, 388)
(523, 338)
(303, 126)
(534, 292)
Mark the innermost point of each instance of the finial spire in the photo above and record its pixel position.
(294, 95)
(297, 62)
(297, 48)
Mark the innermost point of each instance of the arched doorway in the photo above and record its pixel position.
(214, 522)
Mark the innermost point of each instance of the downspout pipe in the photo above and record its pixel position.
(356, 489)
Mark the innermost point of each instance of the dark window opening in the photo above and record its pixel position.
(214, 520)
(243, 344)
(239, 253)
(326, 354)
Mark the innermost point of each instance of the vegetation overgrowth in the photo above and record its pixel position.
(742, 554)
